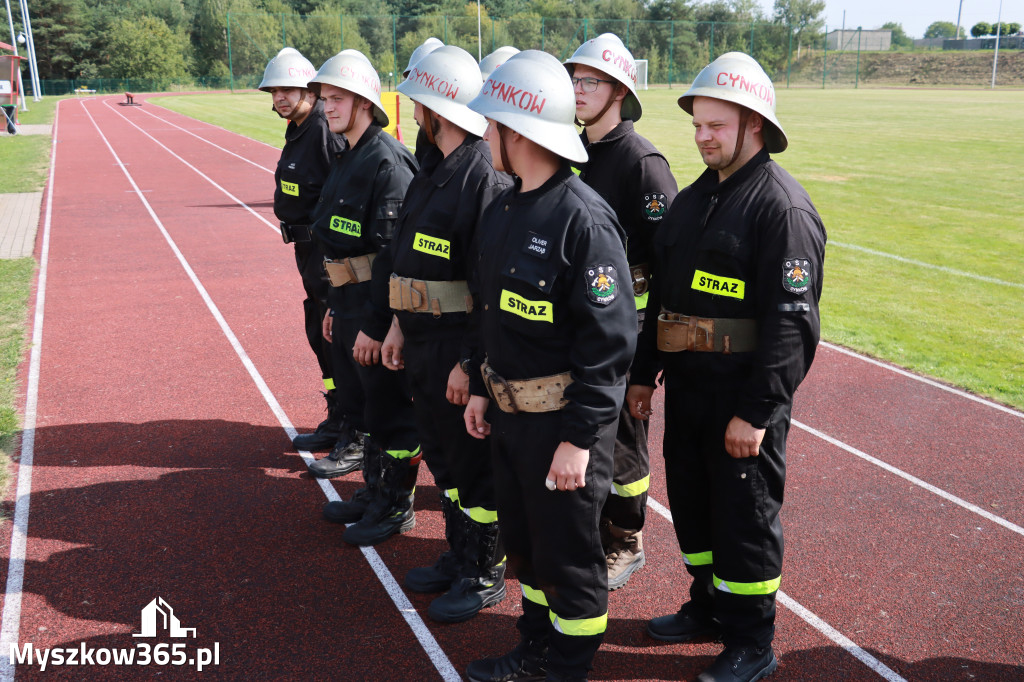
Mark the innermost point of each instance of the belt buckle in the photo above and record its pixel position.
(706, 327)
(490, 378)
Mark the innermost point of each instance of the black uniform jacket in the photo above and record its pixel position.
(434, 238)
(302, 169)
(636, 181)
(359, 207)
(555, 297)
(752, 246)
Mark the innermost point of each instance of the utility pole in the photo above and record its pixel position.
(999, 30)
(960, 9)
(26, 23)
(14, 44)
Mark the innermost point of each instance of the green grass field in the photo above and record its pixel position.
(918, 190)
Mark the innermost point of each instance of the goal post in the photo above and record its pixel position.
(641, 74)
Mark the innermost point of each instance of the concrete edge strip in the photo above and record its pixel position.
(813, 620)
(10, 628)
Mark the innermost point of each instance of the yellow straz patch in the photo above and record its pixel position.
(291, 188)
(433, 246)
(538, 311)
(722, 286)
(346, 226)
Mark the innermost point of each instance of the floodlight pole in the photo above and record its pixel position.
(479, 38)
(958, 11)
(14, 44)
(999, 30)
(26, 22)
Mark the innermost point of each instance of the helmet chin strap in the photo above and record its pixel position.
(428, 119)
(741, 132)
(501, 148)
(604, 110)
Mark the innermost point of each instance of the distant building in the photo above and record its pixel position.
(858, 39)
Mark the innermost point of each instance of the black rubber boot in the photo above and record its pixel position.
(440, 576)
(688, 624)
(346, 457)
(327, 432)
(528, 661)
(481, 581)
(391, 510)
(353, 510)
(741, 664)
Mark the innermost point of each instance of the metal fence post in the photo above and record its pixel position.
(711, 44)
(284, 38)
(671, 52)
(824, 59)
(341, 30)
(856, 82)
(231, 68)
(789, 57)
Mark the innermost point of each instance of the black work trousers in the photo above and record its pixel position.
(456, 459)
(552, 538)
(310, 261)
(374, 399)
(626, 505)
(726, 510)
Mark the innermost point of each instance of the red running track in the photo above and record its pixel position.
(169, 367)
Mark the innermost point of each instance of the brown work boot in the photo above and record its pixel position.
(624, 553)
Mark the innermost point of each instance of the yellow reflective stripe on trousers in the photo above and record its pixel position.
(534, 595)
(452, 494)
(641, 301)
(758, 588)
(697, 559)
(582, 627)
(404, 454)
(480, 515)
(632, 489)
(328, 384)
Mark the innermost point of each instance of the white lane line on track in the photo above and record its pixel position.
(812, 619)
(10, 629)
(412, 618)
(207, 124)
(924, 380)
(912, 479)
(930, 266)
(275, 228)
(212, 144)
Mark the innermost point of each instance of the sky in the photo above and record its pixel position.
(914, 15)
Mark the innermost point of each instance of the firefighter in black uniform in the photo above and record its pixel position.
(635, 179)
(309, 149)
(424, 147)
(431, 255)
(737, 276)
(557, 334)
(353, 221)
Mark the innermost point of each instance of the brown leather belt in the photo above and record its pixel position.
(349, 270)
(705, 334)
(641, 276)
(542, 394)
(428, 296)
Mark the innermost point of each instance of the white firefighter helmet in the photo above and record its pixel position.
(495, 59)
(351, 70)
(737, 77)
(607, 54)
(289, 69)
(531, 94)
(428, 46)
(445, 81)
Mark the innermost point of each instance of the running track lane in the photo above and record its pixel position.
(824, 558)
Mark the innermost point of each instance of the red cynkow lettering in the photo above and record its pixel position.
(524, 99)
(627, 65)
(371, 82)
(764, 92)
(293, 71)
(435, 83)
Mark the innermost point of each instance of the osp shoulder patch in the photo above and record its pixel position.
(654, 205)
(796, 275)
(602, 285)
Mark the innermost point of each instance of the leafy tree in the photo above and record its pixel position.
(146, 48)
(981, 29)
(899, 37)
(941, 29)
(804, 16)
(1013, 28)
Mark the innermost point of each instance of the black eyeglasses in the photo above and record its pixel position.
(588, 84)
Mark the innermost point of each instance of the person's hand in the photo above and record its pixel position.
(328, 327)
(742, 439)
(366, 351)
(458, 386)
(476, 425)
(569, 467)
(391, 351)
(638, 398)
